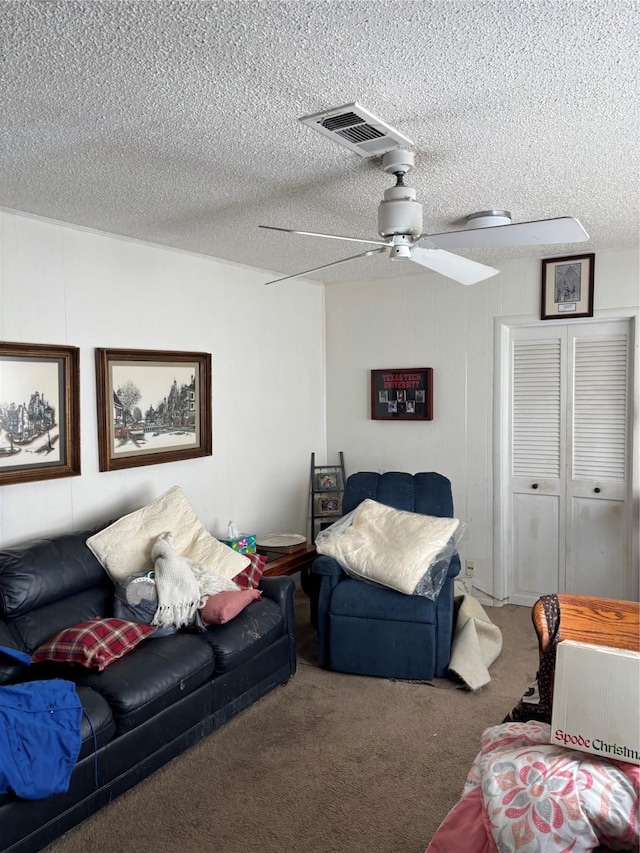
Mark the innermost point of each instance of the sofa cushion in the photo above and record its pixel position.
(95, 643)
(124, 548)
(255, 628)
(39, 625)
(426, 492)
(10, 667)
(224, 606)
(366, 601)
(151, 678)
(26, 579)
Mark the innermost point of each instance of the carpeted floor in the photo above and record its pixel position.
(329, 762)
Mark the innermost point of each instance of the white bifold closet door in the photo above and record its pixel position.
(569, 466)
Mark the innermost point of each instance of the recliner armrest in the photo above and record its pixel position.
(454, 567)
(326, 566)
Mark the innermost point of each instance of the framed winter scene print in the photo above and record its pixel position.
(153, 406)
(39, 412)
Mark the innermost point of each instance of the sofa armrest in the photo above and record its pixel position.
(277, 588)
(329, 573)
(281, 590)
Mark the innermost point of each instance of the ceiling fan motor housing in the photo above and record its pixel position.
(399, 213)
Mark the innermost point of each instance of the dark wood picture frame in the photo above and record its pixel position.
(173, 419)
(39, 412)
(402, 394)
(567, 287)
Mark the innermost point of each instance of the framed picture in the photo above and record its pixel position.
(328, 505)
(567, 287)
(328, 481)
(39, 412)
(402, 394)
(153, 406)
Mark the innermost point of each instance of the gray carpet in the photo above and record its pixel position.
(329, 762)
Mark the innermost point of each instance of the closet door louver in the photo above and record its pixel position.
(600, 408)
(569, 509)
(536, 419)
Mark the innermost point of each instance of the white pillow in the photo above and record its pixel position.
(124, 548)
(392, 547)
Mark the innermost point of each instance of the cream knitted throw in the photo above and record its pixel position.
(182, 585)
(178, 592)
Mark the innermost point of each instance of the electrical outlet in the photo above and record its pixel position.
(471, 568)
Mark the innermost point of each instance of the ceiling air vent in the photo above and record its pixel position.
(357, 129)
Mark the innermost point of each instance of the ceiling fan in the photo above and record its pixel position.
(400, 227)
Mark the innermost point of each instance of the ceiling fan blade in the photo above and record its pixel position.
(329, 236)
(332, 264)
(453, 266)
(564, 229)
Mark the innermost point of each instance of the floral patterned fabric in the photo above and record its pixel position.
(542, 798)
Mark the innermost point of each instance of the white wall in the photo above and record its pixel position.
(64, 285)
(428, 321)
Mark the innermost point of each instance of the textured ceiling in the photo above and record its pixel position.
(176, 122)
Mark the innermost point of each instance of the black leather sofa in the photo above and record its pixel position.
(148, 706)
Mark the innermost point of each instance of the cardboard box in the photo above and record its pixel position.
(596, 701)
(245, 543)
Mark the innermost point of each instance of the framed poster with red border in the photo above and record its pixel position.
(402, 394)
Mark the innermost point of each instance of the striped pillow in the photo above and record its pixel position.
(95, 643)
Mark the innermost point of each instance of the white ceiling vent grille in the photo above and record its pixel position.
(357, 129)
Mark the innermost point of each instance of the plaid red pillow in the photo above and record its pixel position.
(95, 643)
(249, 578)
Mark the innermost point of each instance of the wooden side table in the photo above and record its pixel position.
(289, 564)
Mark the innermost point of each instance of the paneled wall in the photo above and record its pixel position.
(64, 285)
(426, 321)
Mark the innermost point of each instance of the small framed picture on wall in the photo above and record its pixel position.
(567, 287)
(402, 394)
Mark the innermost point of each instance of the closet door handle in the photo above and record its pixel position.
(597, 489)
(534, 486)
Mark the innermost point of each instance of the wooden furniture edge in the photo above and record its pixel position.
(289, 564)
(589, 619)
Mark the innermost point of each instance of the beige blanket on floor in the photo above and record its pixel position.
(477, 642)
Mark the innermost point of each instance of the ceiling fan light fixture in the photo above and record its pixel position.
(399, 213)
(488, 219)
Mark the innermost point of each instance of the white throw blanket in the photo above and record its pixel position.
(178, 592)
(182, 584)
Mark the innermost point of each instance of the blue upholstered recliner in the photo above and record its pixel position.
(368, 629)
